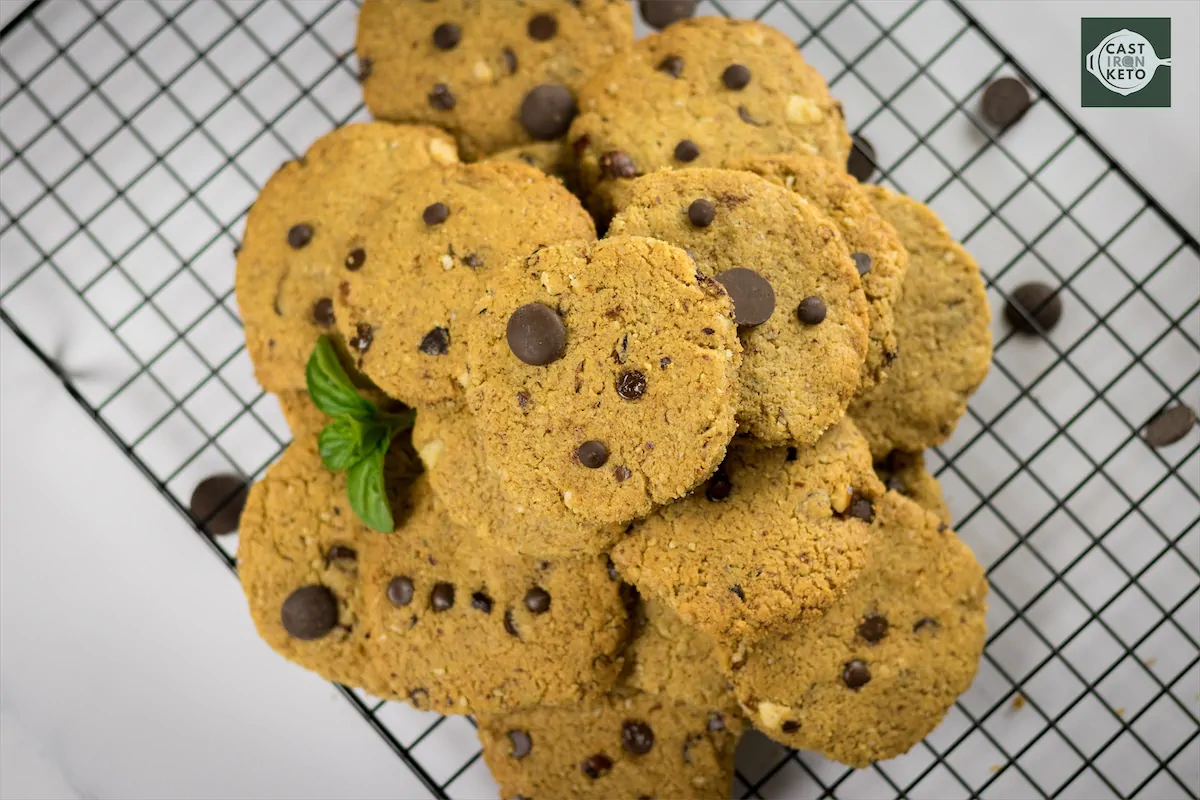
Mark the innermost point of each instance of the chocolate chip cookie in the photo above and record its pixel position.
(411, 274)
(801, 312)
(552, 158)
(603, 378)
(288, 268)
(877, 672)
(905, 473)
(942, 333)
(494, 74)
(774, 538)
(460, 627)
(629, 744)
(879, 258)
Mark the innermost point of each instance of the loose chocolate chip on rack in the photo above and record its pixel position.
(1005, 101)
(542, 27)
(862, 262)
(751, 293)
(400, 591)
(811, 310)
(355, 259)
(340, 552)
(855, 674)
(442, 597)
(661, 13)
(217, 503)
(716, 722)
(299, 235)
(436, 342)
(719, 487)
(861, 163)
(596, 766)
(537, 600)
(592, 454)
(435, 214)
(522, 743)
(701, 213)
(790, 726)
(447, 36)
(363, 336)
(637, 737)
(547, 111)
(480, 601)
(873, 628)
(736, 77)
(861, 508)
(672, 65)
(536, 334)
(364, 69)
(621, 473)
(618, 164)
(441, 97)
(309, 613)
(1169, 425)
(631, 385)
(686, 151)
(1033, 307)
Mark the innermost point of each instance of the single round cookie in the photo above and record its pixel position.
(412, 273)
(879, 258)
(629, 744)
(945, 344)
(774, 538)
(603, 378)
(799, 370)
(288, 265)
(459, 627)
(905, 473)
(553, 158)
(447, 440)
(698, 93)
(494, 74)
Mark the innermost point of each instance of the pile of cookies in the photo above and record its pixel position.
(662, 485)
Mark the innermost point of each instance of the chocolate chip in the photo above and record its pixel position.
(481, 602)
(596, 766)
(637, 737)
(1169, 426)
(510, 60)
(631, 385)
(340, 552)
(925, 623)
(473, 261)
(547, 111)
(592, 454)
(751, 293)
(737, 590)
(716, 722)
(363, 336)
(664, 362)
(861, 163)
(435, 214)
(400, 591)
(217, 502)
(618, 164)
(701, 213)
(536, 334)
(746, 117)
(862, 262)
(790, 726)
(686, 151)
(523, 399)
(811, 310)
(621, 473)
(672, 65)
(537, 600)
(661, 13)
(322, 312)
(542, 27)
(309, 613)
(355, 259)
(861, 508)
(442, 597)
(719, 487)
(1033, 308)
(522, 743)
(873, 628)
(299, 235)
(364, 69)
(447, 36)
(436, 342)
(855, 674)
(1005, 101)
(510, 624)
(441, 97)
(735, 77)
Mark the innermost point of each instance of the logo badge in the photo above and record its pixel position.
(1124, 61)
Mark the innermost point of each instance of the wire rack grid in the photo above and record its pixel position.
(134, 136)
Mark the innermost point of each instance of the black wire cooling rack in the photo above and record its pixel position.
(134, 136)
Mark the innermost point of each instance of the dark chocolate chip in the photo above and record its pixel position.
(861, 508)
(686, 151)
(400, 591)
(340, 552)
(441, 97)
(811, 310)
(481, 602)
(701, 213)
(925, 623)
(661, 13)
(855, 674)
(364, 69)
(355, 259)
(861, 163)
(537, 600)
(719, 487)
(751, 293)
(631, 385)
(862, 262)
(442, 597)
(1033, 308)
(672, 65)
(621, 473)
(542, 27)
(436, 342)
(736, 77)
(536, 334)
(596, 766)
(217, 503)
(547, 111)
(522, 743)
(637, 737)
(473, 261)
(322, 312)
(748, 118)
(664, 362)
(447, 36)
(435, 214)
(737, 590)
(873, 628)
(790, 726)
(510, 624)
(592, 454)
(716, 722)
(510, 60)
(1169, 425)
(363, 336)
(309, 613)
(299, 235)
(1005, 101)
(618, 164)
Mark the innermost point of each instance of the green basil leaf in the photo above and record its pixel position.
(330, 387)
(367, 490)
(395, 423)
(344, 442)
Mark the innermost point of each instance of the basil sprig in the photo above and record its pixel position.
(357, 439)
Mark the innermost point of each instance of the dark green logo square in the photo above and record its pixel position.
(1126, 62)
